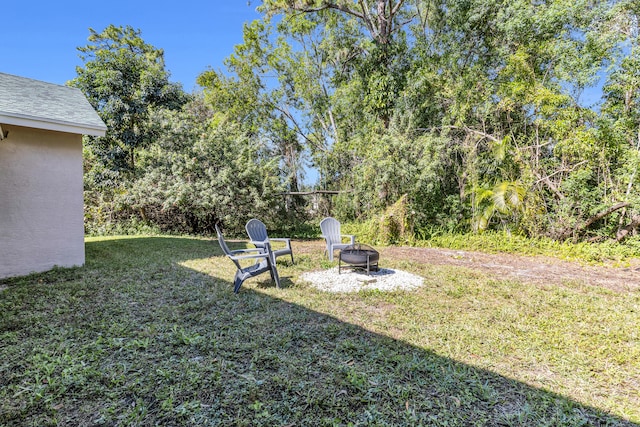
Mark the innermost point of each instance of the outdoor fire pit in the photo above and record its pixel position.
(359, 256)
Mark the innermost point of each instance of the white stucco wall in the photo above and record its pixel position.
(41, 201)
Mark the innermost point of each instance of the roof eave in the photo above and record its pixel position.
(59, 126)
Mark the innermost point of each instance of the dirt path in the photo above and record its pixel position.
(536, 269)
(530, 268)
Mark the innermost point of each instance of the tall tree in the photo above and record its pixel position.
(471, 108)
(371, 43)
(621, 109)
(264, 97)
(379, 17)
(124, 78)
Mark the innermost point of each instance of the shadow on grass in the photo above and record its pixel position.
(147, 333)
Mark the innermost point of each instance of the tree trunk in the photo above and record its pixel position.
(579, 229)
(624, 231)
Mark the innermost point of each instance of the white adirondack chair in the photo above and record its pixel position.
(330, 228)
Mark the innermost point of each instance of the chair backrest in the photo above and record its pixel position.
(256, 230)
(224, 247)
(330, 228)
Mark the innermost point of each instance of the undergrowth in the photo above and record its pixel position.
(607, 252)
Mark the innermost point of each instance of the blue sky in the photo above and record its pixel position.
(39, 39)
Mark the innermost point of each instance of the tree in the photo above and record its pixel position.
(480, 97)
(621, 109)
(267, 109)
(379, 17)
(508, 79)
(124, 78)
(200, 171)
(370, 43)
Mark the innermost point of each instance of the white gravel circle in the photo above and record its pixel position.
(385, 279)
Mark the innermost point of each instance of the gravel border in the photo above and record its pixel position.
(385, 279)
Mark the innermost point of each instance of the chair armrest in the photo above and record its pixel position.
(241, 251)
(351, 238)
(259, 255)
(286, 240)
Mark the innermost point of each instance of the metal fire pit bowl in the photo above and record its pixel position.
(359, 256)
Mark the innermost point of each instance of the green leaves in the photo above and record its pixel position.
(502, 200)
(123, 77)
(199, 173)
(472, 108)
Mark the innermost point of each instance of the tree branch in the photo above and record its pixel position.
(297, 127)
(571, 169)
(466, 129)
(579, 229)
(325, 6)
(396, 8)
(549, 184)
(602, 214)
(380, 28)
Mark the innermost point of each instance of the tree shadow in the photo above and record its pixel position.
(142, 339)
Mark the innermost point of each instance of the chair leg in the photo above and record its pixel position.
(237, 282)
(274, 274)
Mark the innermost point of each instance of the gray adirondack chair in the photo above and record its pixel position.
(257, 232)
(263, 257)
(330, 228)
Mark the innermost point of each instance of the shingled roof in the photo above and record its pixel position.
(41, 105)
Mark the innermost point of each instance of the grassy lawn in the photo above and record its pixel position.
(149, 332)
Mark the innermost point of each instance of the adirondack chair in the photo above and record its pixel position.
(263, 257)
(330, 228)
(257, 232)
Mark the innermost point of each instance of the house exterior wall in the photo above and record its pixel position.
(41, 201)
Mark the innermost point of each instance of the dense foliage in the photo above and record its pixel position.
(198, 173)
(124, 78)
(168, 162)
(476, 111)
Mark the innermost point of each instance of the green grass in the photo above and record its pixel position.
(150, 333)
